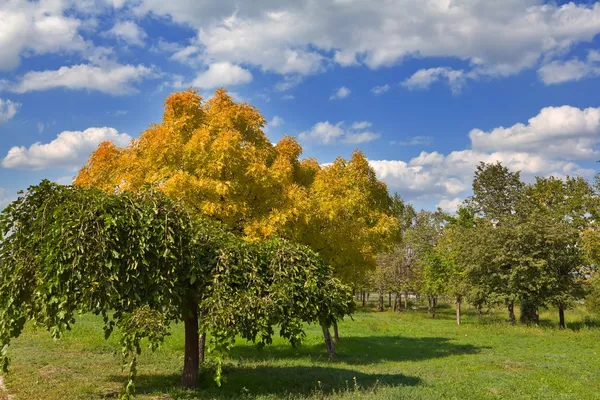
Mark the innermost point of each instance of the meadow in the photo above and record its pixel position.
(381, 355)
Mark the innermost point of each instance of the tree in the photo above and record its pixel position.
(496, 191)
(143, 262)
(558, 210)
(214, 157)
(452, 245)
(423, 238)
(496, 194)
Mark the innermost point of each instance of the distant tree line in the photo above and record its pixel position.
(511, 243)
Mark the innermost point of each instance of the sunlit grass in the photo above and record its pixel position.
(380, 356)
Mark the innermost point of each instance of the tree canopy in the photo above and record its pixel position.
(214, 157)
(143, 262)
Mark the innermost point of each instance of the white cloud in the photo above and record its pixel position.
(542, 147)
(327, 133)
(450, 205)
(111, 78)
(566, 131)
(276, 121)
(8, 109)
(361, 125)
(377, 90)
(222, 74)
(340, 93)
(305, 37)
(413, 141)
(68, 151)
(129, 32)
(36, 28)
(424, 78)
(40, 127)
(571, 70)
(288, 82)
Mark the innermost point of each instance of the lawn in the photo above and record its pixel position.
(380, 356)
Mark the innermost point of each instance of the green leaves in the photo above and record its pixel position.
(140, 260)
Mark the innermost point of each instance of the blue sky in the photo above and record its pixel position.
(426, 88)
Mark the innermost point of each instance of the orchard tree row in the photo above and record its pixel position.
(533, 245)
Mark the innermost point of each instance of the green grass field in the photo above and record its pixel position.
(380, 356)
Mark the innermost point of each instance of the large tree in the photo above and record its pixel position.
(214, 157)
(143, 262)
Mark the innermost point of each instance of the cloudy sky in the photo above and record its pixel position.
(426, 88)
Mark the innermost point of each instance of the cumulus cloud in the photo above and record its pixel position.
(424, 78)
(38, 28)
(571, 70)
(129, 32)
(222, 74)
(327, 133)
(8, 110)
(304, 37)
(565, 131)
(68, 151)
(546, 145)
(111, 78)
(377, 90)
(340, 93)
(450, 205)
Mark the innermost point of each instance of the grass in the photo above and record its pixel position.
(380, 356)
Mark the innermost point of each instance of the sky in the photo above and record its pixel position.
(427, 89)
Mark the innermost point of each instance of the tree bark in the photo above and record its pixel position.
(328, 342)
(433, 306)
(191, 362)
(364, 299)
(406, 301)
(479, 312)
(390, 299)
(511, 312)
(380, 301)
(561, 317)
(202, 343)
(336, 334)
(458, 299)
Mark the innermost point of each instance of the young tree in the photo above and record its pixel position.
(142, 262)
(423, 239)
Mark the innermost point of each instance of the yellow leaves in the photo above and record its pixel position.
(214, 157)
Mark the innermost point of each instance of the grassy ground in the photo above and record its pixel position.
(381, 356)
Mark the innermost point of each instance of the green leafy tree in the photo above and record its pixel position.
(143, 262)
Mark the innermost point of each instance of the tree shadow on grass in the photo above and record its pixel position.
(278, 382)
(363, 350)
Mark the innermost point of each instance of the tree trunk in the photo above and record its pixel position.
(529, 312)
(458, 299)
(511, 312)
(364, 299)
(429, 304)
(479, 312)
(406, 301)
(433, 306)
(202, 343)
(336, 334)
(380, 301)
(191, 362)
(328, 342)
(561, 317)
(368, 296)
(390, 299)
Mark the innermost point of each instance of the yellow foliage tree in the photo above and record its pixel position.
(214, 157)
